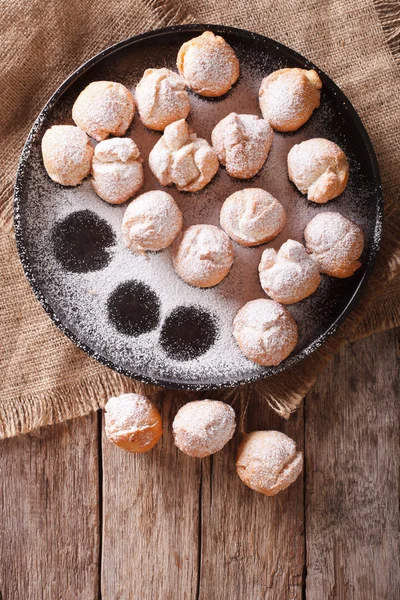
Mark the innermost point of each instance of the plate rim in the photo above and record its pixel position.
(189, 385)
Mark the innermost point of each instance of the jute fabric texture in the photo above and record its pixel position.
(45, 378)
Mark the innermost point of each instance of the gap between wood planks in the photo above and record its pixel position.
(234, 543)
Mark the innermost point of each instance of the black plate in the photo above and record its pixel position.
(174, 336)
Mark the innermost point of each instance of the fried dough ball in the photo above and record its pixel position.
(318, 168)
(203, 427)
(335, 243)
(104, 108)
(252, 217)
(208, 65)
(268, 462)
(67, 154)
(265, 332)
(117, 170)
(289, 275)
(202, 255)
(288, 97)
(161, 98)
(242, 143)
(151, 222)
(132, 422)
(181, 158)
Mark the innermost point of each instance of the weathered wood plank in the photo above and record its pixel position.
(252, 547)
(352, 475)
(49, 526)
(151, 518)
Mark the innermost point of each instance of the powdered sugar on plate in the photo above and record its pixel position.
(80, 299)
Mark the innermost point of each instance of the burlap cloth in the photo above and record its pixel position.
(45, 378)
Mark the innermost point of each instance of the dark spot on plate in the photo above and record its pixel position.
(188, 332)
(81, 242)
(133, 308)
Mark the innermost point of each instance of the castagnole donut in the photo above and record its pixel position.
(208, 65)
(104, 108)
(203, 427)
(268, 462)
(67, 154)
(336, 243)
(288, 97)
(202, 255)
(242, 143)
(252, 217)
(161, 98)
(265, 332)
(132, 422)
(117, 170)
(151, 222)
(318, 168)
(183, 159)
(289, 275)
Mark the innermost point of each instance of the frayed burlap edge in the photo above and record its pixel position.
(34, 411)
(389, 16)
(73, 400)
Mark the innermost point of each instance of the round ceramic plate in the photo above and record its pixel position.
(133, 313)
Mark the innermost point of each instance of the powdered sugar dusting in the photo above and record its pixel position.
(80, 299)
(242, 143)
(161, 98)
(289, 275)
(151, 222)
(203, 427)
(67, 154)
(104, 107)
(268, 461)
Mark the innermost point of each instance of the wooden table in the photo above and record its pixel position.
(83, 520)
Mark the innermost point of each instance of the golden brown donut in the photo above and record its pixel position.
(242, 143)
(202, 255)
(265, 332)
(203, 427)
(336, 243)
(208, 65)
(289, 275)
(161, 98)
(151, 222)
(268, 462)
(288, 97)
(117, 170)
(181, 158)
(132, 422)
(67, 154)
(318, 168)
(252, 217)
(104, 108)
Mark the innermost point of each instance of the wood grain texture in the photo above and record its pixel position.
(352, 475)
(252, 547)
(151, 518)
(176, 528)
(49, 526)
